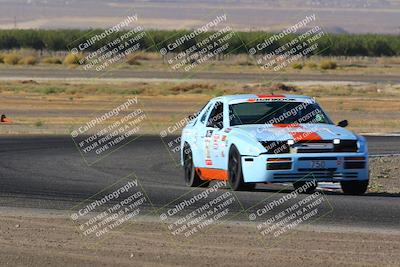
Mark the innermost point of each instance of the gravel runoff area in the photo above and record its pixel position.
(385, 174)
(43, 238)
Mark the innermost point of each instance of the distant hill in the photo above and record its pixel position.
(352, 16)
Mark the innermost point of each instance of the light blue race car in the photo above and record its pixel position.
(249, 139)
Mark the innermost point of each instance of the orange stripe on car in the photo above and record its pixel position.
(212, 174)
(279, 159)
(286, 125)
(305, 136)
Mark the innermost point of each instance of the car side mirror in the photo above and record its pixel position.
(343, 123)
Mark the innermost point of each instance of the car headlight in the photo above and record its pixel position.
(336, 141)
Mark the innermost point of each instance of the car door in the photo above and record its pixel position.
(212, 141)
(202, 134)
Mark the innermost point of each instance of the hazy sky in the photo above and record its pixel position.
(357, 16)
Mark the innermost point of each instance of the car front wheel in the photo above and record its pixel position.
(235, 174)
(354, 187)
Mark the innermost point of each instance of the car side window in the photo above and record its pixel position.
(204, 116)
(216, 118)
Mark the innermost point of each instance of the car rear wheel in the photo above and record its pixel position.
(192, 179)
(309, 190)
(354, 187)
(235, 174)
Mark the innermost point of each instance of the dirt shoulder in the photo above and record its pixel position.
(55, 107)
(384, 174)
(32, 238)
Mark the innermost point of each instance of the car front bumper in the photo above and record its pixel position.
(326, 167)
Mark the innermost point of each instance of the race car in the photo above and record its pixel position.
(269, 138)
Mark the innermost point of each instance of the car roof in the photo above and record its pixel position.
(229, 98)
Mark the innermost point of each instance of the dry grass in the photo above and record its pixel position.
(74, 59)
(195, 88)
(52, 60)
(147, 56)
(297, 66)
(369, 108)
(328, 65)
(152, 88)
(11, 59)
(29, 60)
(238, 63)
(133, 59)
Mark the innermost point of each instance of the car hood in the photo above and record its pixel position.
(269, 132)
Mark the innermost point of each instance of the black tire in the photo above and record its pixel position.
(235, 174)
(309, 190)
(192, 179)
(354, 187)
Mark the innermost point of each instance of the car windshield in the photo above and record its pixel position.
(276, 112)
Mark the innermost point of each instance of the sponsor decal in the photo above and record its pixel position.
(270, 96)
(215, 145)
(209, 162)
(207, 149)
(263, 98)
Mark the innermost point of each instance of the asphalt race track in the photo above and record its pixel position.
(49, 173)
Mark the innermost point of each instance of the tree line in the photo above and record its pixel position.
(328, 45)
